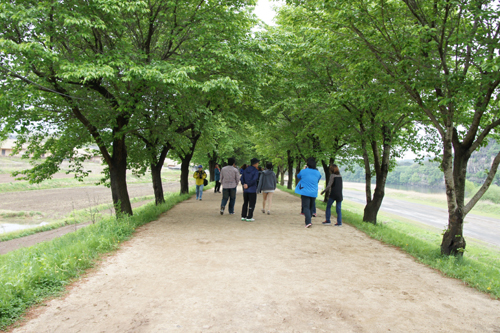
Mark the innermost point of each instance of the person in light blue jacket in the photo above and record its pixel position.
(308, 188)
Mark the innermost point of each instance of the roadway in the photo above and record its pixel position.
(482, 228)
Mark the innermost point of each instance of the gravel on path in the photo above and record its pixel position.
(194, 270)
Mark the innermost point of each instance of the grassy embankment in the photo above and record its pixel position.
(90, 214)
(30, 275)
(479, 268)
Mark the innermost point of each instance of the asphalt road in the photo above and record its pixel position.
(483, 228)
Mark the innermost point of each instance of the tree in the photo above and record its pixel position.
(445, 55)
(100, 60)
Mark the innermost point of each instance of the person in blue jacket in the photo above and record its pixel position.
(308, 188)
(249, 179)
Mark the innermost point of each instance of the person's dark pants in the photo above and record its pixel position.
(229, 193)
(313, 210)
(308, 204)
(217, 186)
(249, 200)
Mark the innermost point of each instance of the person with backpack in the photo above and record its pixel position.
(267, 185)
(335, 184)
(249, 181)
(200, 175)
(308, 189)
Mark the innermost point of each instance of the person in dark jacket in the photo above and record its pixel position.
(217, 178)
(267, 185)
(308, 188)
(249, 180)
(335, 184)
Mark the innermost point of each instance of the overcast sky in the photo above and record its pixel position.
(264, 10)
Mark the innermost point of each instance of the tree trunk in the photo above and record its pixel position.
(381, 165)
(185, 173)
(298, 167)
(211, 165)
(371, 209)
(282, 180)
(290, 171)
(156, 176)
(157, 184)
(118, 178)
(185, 161)
(278, 174)
(454, 168)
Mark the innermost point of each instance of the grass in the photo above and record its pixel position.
(479, 267)
(30, 275)
(20, 214)
(90, 214)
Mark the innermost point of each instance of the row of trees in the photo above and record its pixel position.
(139, 79)
(363, 81)
(352, 82)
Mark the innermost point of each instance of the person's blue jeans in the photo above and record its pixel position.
(308, 204)
(199, 191)
(228, 193)
(338, 209)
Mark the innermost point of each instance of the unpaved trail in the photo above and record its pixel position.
(196, 271)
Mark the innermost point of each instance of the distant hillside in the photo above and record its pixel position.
(429, 174)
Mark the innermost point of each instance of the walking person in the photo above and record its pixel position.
(217, 178)
(308, 189)
(335, 185)
(267, 185)
(229, 178)
(200, 176)
(242, 169)
(249, 181)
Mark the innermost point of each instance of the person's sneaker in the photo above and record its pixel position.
(200, 199)
(268, 212)
(263, 211)
(309, 225)
(231, 213)
(327, 223)
(314, 215)
(338, 225)
(243, 218)
(250, 220)
(302, 214)
(222, 211)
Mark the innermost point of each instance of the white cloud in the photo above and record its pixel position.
(264, 10)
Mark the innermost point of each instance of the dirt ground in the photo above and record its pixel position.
(196, 271)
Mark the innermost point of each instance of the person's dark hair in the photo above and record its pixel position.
(334, 169)
(269, 166)
(260, 169)
(311, 163)
(244, 166)
(230, 161)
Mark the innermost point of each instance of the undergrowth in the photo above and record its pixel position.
(479, 267)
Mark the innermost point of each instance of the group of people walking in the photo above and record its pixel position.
(255, 180)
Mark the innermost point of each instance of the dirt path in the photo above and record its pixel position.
(196, 271)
